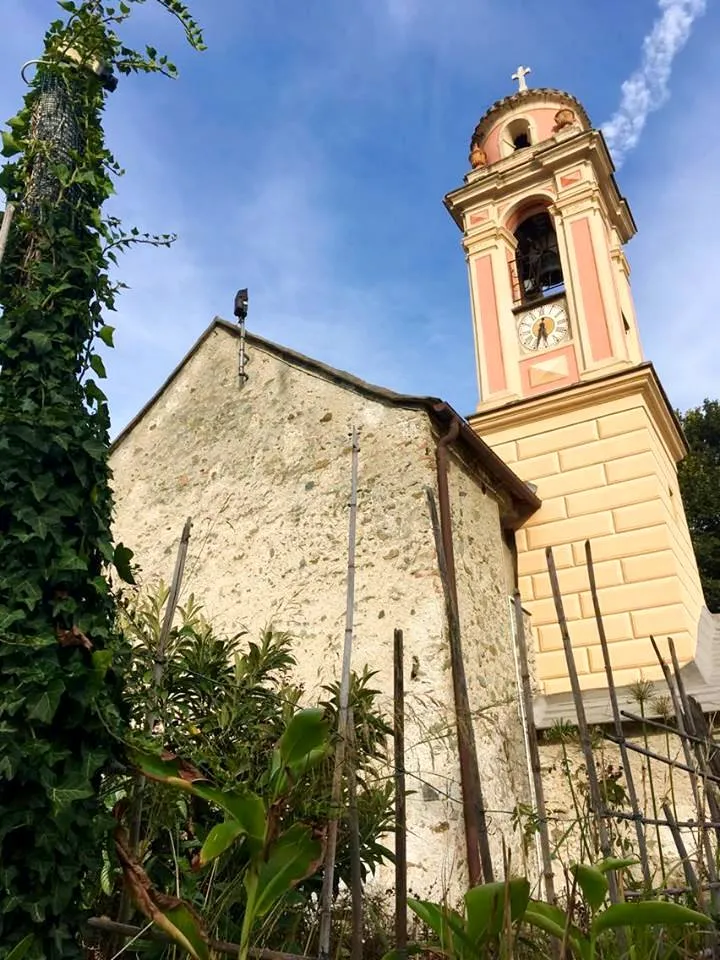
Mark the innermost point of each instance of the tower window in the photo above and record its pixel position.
(517, 136)
(539, 271)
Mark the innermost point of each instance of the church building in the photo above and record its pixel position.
(573, 439)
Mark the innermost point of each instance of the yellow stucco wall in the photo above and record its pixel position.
(605, 471)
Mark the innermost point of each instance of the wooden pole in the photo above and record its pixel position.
(400, 805)
(595, 797)
(356, 885)
(477, 846)
(533, 749)
(344, 699)
(632, 793)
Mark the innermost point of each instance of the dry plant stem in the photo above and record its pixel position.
(477, 847)
(344, 697)
(400, 808)
(596, 804)
(632, 794)
(692, 770)
(690, 875)
(526, 693)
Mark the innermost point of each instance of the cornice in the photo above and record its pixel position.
(640, 380)
(534, 167)
(525, 98)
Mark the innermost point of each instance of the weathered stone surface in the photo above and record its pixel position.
(264, 471)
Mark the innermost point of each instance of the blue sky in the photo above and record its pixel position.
(306, 153)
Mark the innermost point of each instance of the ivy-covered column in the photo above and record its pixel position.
(61, 704)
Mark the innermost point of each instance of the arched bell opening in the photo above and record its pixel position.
(537, 261)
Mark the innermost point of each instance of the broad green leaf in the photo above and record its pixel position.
(220, 839)
(552, 920)
(20, 949)
(244, 806)
(294, 856)
(485, 907)
(643, 913)
(308, 730)
(172, 772)
(121, 558)
(448, 926)
(593, 884)
(182, 925)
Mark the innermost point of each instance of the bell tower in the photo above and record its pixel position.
(567, 399)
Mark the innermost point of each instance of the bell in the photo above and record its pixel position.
(550, 273)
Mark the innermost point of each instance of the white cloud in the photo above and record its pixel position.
(647, 88)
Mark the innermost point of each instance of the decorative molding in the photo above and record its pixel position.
(638, 380)
(701, 676)
(532, 168)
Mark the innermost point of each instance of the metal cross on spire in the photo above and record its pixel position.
(520, 75)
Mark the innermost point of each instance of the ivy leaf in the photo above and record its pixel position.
(9, 144)
(70, 790)
(98, 366)
(44, 707)
(106, 335)
(121, 559)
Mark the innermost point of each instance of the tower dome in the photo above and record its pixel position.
(525, 118)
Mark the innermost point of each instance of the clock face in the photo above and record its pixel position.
(545, 326)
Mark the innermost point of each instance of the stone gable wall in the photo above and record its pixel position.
(264, 471)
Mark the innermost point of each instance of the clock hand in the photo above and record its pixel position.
(541, 333)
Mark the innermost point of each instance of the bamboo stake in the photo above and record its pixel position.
(400, 805)
(689, 727)
(690, 875)
(170, 608)
(675, 764)
(632, 793)
(356, 885)
(596, 804)
(533, 749)
(158, 669)
(690, 767)
(636, 718)
(344, 698)
(477, 846)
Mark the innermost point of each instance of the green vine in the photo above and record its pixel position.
(62, 714)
